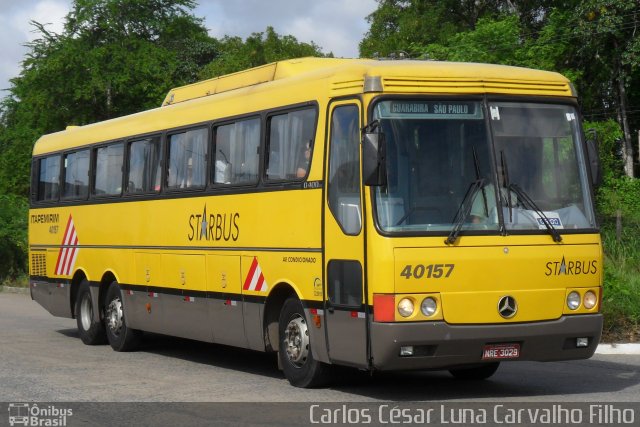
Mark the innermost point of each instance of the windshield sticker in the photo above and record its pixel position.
(553, 217)
(571, 117)
(495, 113)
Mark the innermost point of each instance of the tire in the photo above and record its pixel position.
(294, 348)
(120, 336)
(91, 332)
(476, 373)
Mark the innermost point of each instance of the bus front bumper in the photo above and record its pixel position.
(438, 345)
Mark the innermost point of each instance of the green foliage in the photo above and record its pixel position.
(13, 237)
(404, 25)
(258, 49)
(492, 41)
(621, 301)
(609, 135)
(617, 191)
(114, 57)
(618, 195)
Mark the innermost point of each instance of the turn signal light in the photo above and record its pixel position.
(384, 307)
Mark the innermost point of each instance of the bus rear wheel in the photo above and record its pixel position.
(120, 336)
(91, 331)
(294, 349)
(475, 373)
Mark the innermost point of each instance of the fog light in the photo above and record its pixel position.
(405, 307)
(582, 342)
(590, 300)
(406, 350)
(573, 300)
(428, 306)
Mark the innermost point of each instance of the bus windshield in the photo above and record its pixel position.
(440, 150)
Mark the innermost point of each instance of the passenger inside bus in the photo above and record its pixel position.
(303, 162)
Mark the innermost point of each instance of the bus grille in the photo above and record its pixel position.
(470, 85)
(38, 265)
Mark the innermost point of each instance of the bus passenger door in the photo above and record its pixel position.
(345, 314)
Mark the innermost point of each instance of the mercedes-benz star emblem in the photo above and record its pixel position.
(507, 307)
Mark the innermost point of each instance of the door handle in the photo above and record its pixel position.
(330, 308)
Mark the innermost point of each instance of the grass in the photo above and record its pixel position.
(621, 301)
(18, 282)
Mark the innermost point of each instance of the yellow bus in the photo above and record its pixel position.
(383, 215)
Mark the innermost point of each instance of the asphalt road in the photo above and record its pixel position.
(43, 360)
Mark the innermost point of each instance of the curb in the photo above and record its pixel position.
(618, 349)
(12, 290)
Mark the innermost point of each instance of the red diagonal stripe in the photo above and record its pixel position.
(260, 282)
(60, 254)
(68, 231)
(252, 270)
(58, 262)
(70, 253)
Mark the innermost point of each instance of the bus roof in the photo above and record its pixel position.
(304, 79)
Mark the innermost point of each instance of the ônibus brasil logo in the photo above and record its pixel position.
(32, 414)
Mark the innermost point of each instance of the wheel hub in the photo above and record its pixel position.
(296, 341)
(114, 316)
(86, 312)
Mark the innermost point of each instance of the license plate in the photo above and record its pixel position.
(500, 351)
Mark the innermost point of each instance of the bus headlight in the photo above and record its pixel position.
(590, 300)
(428, 306)
(405, 307)
(573, 300)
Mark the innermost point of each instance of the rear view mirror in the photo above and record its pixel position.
(373, 156)
(593, 157)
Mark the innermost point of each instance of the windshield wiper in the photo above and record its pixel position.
(525, 199)
(506, 183)
(555, 234)
(464, 210)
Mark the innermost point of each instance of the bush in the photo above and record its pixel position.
(13, 237)
(621, 301)
(618, 195)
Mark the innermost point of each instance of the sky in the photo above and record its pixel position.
(335, 25)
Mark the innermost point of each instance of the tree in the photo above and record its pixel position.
(258, 49)
(492, 41)
(609, 42)
(595, 43)
(398, 25)
(13, 237)
(114, 57)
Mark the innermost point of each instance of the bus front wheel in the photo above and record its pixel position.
(294, 349)
(91, 331)
(120, 336)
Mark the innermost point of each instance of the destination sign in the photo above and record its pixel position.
(463, 108)
(429, 109)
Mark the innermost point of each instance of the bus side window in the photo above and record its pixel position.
(344, 169)
(108, 170)
(48, 178)
(290, 144)
(236, 153)
(144, 166)
(187, 159)
(76, 175)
